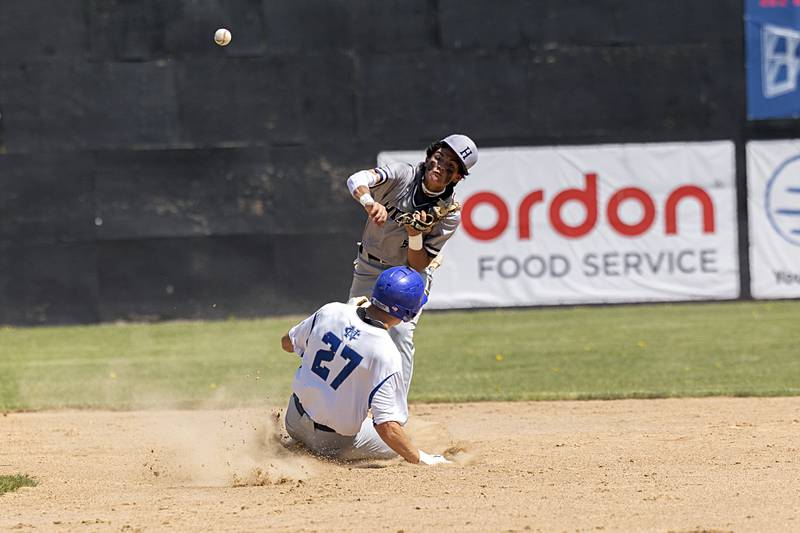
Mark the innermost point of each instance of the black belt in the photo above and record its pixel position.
(370, 256)
(299, 407)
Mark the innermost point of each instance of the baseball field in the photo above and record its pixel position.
(681, 417)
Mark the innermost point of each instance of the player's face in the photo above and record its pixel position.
(441, 169)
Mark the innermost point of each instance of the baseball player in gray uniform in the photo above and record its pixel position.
(350, 365)
(396, 194)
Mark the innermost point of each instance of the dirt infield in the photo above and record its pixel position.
(636, 465)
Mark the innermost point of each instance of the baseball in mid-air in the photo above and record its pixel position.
(222, 37)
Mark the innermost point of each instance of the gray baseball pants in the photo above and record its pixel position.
(365, 274)
(367, 444)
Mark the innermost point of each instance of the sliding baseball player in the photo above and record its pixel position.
(350, 365)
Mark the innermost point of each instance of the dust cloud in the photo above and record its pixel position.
(218, 448)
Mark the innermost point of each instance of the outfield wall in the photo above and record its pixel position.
(148, 174)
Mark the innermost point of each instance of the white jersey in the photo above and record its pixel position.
(348, 366)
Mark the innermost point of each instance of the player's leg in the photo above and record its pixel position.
(301, 428)
(368, 445)
(364, 278)
(403, 337)
(365, 275)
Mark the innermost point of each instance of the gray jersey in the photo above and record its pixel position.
(398, 186)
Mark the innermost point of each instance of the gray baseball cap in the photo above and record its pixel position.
(465, 149)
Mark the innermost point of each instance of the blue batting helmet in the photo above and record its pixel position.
(400, 291)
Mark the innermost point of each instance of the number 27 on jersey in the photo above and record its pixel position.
(323, 356)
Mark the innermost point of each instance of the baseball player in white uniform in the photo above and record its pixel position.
(391, 192)
(349, 365)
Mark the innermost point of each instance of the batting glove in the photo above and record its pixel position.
(431, 460)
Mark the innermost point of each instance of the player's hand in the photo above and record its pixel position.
(359, 301)
(376, 212)
(430, 460)
(418, 215)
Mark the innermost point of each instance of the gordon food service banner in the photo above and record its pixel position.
(591, 224)
(773, 185)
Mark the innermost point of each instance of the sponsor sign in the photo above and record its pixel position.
(592, 224)
(772, 33)
(773, 196)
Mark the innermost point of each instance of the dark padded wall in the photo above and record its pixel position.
(146, 173)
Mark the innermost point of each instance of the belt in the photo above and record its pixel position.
(299, 407)
(370, 256)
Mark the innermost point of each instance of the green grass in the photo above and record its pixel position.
(121, 366)
(9, 483)
(730, 349)
(641, 351)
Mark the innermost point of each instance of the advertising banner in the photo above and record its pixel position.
(772, 34)
(773, 199)
(591, 224)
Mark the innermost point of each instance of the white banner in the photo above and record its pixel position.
(591, 224)
(773, 199)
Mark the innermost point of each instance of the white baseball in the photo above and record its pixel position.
(222, 37)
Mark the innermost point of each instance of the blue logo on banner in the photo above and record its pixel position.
(782, 200)
(772, 31)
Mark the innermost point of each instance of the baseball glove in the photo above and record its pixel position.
(434, 215)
